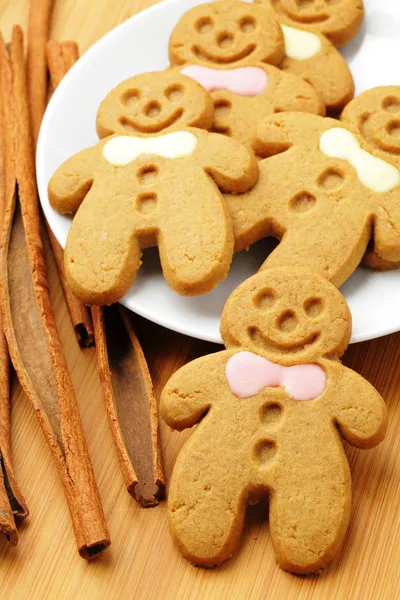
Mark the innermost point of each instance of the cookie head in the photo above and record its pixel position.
(287, 315)
(339, 20)
(375, 115)
(154, 102)
(226, 33)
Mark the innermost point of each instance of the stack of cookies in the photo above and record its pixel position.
(229, 145)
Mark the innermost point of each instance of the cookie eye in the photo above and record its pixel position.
(204, 25)
(391, 104)
(247, 24)
(393, 128)
(174, 93)
(265, 299)
(130, 97)
(313, 307)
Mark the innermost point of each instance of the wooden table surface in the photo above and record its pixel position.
(142, 562)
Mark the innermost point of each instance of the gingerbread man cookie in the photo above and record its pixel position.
(313, 57)
(225, 46)
(338, 20)
(274, 407)
(323, 192)
(375, 114)
(228, 33)
(133, 192)
(154, 102)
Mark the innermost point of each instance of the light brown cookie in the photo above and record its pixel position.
(372, 260)
(154, 102)
(274, 408)
(243, 87)
(339, 20)
(134, 192)
(320, 195)
(375, 114)
(243, 97)
(315, 59)
(228, 33)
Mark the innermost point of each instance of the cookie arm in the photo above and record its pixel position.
(387, 227)
(360, 411)
(233, 168)
(71, 182)
(192, 390)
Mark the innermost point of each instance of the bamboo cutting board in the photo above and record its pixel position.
(142, 562)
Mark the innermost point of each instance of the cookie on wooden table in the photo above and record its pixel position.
(272, 409)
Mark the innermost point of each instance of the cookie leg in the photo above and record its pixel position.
(102, 254)
(334, 256)
(310, 507)
(206, 509)
(196, 240)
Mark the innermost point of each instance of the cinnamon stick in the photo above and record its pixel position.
(11, 500)
(70, 53)
(38, 34)
(130, 402)
(29, 324)
(80, 316)
(59, 57)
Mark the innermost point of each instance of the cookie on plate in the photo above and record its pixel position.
(324, 192)
(313, 57)
(225, 46)
(273, 409)
(338, 20)
(154, 102)
(132, 192)
(375, 114)
(226, 33)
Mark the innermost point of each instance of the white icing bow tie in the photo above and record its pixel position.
(123, 149)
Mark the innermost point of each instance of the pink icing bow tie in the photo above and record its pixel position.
(247, 81)
(249, 373)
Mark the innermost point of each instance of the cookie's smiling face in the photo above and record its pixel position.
(154, 102)
(226, 34)
(287, 316)
(339, 20)
(311, 11)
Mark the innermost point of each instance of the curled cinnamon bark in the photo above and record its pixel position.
(11, 500)
(30, 329)
(130, 402)
(60, 58)
(38, 34)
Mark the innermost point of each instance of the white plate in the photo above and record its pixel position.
(140, 44)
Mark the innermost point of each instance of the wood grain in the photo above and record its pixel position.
(142, 562)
